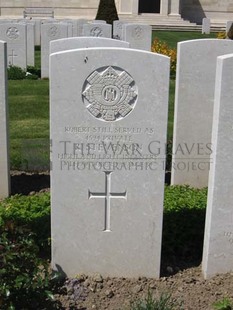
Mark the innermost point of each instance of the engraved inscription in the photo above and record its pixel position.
(96, 32)
(12, 33)
(119, 25)
(229, 236)
(11, 57)
(137, 33)
(107, 195)
(53, 31)
(109, 94)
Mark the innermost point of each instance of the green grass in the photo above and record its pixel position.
(173, 37)
(29, 119)
(29, 110)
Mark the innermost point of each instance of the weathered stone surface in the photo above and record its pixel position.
(194, 100)
(4, 148)
(106, 182)
(218, 243)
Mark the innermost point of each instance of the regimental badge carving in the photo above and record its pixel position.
(12, 33)
(110, 94)
(53, 31)
(96, 32)
(137, 33)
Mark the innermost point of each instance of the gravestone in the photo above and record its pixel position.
(97, 30)
(205, 26)
(107, 184)
(4, 151)
(118, 29)
(84, 42)
(69, 24)
(195, 83)
(230, 31)
(50, 31)
(80, 23)
(228, 25)
(30, 41)
(98, 21)
(218, 241)
(138, 36)
(16, 37)
(37, 31)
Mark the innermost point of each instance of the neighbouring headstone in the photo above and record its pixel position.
(79, 31)
(195, 84)
(72, 27)
(205, 26)
(138, 36)
(84, 42)
(50, 31)
(37, 31)
(230, 31)
(30, 41)
(97, 30)
(118, 29)
(98, 21)
(15, 35)
(4, 150)
(218, 241)
(69, 24)
(228, 25)
(107, 179)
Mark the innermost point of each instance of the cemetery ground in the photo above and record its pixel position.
(26, 281)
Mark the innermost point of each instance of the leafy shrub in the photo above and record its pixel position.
(15, 73)
(30, 212)
(30, 76)
(223, 304)
(164, 302)
(161, 47)
(25, 280)
(221, 35)
(107, 11)
(34, 71)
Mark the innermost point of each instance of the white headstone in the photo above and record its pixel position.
(98, 21)
(138, 36)
(69, 24)
(218, 242)
(30, 41)
(205, 26)
(97, 30)
(50, 31)
(79, 31)
(194, 99)
(37, 31)
(4, 152)
(15, 35)
(84, 42)
(106, 185)
(118, 29)
(228, 25)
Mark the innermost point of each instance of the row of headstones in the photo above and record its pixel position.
(206, 25)
(22, 36)
(108, 119)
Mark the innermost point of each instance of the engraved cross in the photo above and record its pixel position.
(12, 55)
(107, 195)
